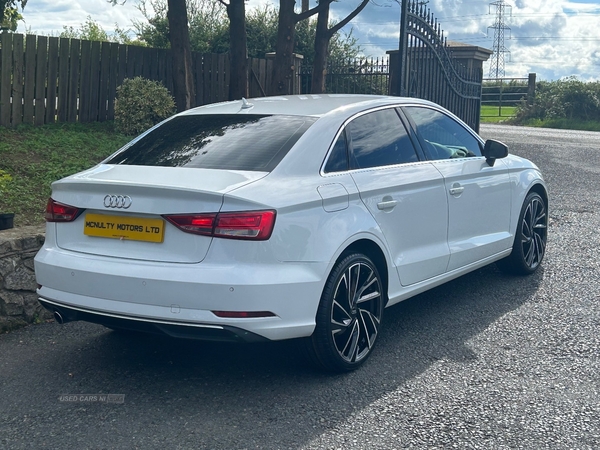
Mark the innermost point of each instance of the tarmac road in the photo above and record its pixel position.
(487, 361)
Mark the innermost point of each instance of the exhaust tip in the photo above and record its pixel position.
(59, 319)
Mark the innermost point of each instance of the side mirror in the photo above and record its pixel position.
(493, 150)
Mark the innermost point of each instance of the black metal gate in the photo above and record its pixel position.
(427, 69)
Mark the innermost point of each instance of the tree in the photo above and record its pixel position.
(93, 31)
(238, 53)
(283, 67)
(179, 38)
(9, 14)
(184, 89)
(261, 26)
(209, 31)
(323, 36)
(208, 25)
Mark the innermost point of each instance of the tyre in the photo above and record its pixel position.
(349, 316)
(530, 238)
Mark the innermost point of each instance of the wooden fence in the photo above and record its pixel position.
(50, 79)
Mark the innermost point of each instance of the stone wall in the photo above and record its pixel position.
(18, 300)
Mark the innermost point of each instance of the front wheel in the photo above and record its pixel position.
(349, 316)
(530, 238)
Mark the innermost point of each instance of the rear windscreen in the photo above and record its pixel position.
(223, 141)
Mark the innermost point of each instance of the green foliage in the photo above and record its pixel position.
(141, 104)
(5, 180)
(34, 157)
(209, 31)
(93, 31)
(261, 31)
(90, 30)
(569, 99)
(9, 14)
(564, 124)
(11, 18)
(208, 24)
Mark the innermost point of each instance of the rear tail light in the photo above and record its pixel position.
(58, 212)
(254, 225)
(193, 223)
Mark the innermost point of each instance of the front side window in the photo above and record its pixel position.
(444, 137)
(380, 139)
(220, 141)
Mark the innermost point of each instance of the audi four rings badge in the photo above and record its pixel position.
(117, 201)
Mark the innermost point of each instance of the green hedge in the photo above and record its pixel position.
(569, 99)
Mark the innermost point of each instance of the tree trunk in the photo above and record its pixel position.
(238, 82)
(179, 36)
(283, 69)
(322, 38)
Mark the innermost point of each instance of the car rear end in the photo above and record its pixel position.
(155, 239)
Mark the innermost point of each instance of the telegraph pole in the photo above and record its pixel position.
(499, 27)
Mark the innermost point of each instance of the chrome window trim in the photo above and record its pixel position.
(344, 125)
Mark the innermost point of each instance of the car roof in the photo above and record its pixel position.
(315, 105)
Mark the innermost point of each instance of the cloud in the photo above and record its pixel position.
(50, 16)
(553, 38)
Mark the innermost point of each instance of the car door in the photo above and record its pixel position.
(478, 194)
(405, 195)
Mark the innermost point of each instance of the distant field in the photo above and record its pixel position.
(493, 114)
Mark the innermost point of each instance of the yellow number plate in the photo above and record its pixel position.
(122, 227)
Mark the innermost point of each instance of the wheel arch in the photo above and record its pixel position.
(374, 252)
(541, 190)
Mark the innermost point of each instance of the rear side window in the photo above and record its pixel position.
(338, 159)
(380, 139)
(232, 141)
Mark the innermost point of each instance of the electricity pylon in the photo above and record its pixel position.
(497, 61)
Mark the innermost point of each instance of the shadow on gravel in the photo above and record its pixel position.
(213, 395)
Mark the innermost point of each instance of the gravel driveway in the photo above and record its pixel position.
(486, 361)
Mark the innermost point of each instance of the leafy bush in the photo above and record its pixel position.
(5, 179)
(569, 99)
(141, 104)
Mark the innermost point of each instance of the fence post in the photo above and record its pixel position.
(401, 83)
(500, 97)
(297, 80)
(6, 59)
(531, 89)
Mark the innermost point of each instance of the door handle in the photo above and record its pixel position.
(456, 189)
(389, 204)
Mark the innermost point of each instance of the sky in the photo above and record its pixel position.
(552, 38)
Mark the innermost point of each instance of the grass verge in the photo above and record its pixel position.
(31, 158)
(493, 114)
(563, 124)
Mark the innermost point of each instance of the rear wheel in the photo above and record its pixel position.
(530, 238)
(349, 315)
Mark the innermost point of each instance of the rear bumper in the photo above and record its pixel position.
(178, 299)
(205, 332)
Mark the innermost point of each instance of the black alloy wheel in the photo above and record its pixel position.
(349, 316)
(529, 247)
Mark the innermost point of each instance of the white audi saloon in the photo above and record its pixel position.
(287, 217)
